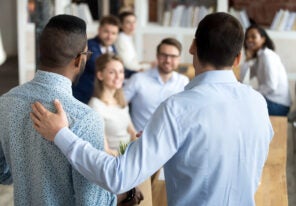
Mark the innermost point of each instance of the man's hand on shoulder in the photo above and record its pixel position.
(46, 123)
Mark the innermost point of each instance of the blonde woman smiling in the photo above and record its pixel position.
(108, 100)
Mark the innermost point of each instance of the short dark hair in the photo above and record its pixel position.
(111, 20)
(170, 41)
(62, 39)
(268, 42)
(219, 39)
(124, 14)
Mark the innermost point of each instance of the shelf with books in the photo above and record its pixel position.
(27, 30)
(149, 34)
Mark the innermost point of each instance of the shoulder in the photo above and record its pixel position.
(79, 112)
(181, 76)
(268, 53)
(180, 79)
(85, 122)
(139, 77)
(93, 43)
(94, 101)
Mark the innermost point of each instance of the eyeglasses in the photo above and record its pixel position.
(164, 56)
(87, 53)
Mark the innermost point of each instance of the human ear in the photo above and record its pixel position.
(99, 76)
(77, 61)
(237, 59)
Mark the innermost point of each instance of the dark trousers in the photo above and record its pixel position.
(276, 109)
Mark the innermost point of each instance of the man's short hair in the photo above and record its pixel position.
(219, 39)
(62, 39)
(110, 20)
(170, 41)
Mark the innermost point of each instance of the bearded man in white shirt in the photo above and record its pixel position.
(146, 90)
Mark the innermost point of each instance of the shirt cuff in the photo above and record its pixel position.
(64, 139)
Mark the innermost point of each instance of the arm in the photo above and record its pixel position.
(127, 52)
(244, 68)
(130, 88)
(90, 128)
(141, 159)
(269, 68)
(5, 175)
(132, 131)
(107, 148)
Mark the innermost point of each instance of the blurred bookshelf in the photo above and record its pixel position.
(156, 19)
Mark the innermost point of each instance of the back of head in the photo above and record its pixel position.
(110, 20)
(219, 39)
(170, 41)
(62, 39)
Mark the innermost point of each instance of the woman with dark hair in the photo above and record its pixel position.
(125, 45)
(267, 67)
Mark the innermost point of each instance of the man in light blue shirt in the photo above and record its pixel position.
(212, 139)
(40, 173)
(146, 90)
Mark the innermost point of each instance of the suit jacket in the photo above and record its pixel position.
(84, 89)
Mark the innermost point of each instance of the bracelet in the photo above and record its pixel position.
(130, 195)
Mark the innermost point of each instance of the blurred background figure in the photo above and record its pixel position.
(263, 63)
(146, 90)
(100, 44)
(125, 45)
(108, 100)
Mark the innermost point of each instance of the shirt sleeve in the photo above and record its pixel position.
(141, 159)
(130, 88)
(5, 175)
(126, 50)
(90, 129)
(269, 68)
(245, 69)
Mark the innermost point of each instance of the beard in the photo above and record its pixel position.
(81, 70)
(162, 69)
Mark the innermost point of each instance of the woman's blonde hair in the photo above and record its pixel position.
(101, 63)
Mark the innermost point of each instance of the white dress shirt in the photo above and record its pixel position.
(126, 50)
(212, 140)
(271, 75)
(146, 90)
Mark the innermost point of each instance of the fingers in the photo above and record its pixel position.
(139, 134)
(58, 106)
(38, 109)
(35, 110)
(35, 120)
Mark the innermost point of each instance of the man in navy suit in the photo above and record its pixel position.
(100, 44)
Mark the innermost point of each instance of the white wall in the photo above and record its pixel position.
(8, 26)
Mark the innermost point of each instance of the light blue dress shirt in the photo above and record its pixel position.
(212, 139)
(40, 172)
(146, 90)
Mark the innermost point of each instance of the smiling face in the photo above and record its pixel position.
(168, 58)
(129, 24)
(254, 41)
(112, 75)
(108, 34)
